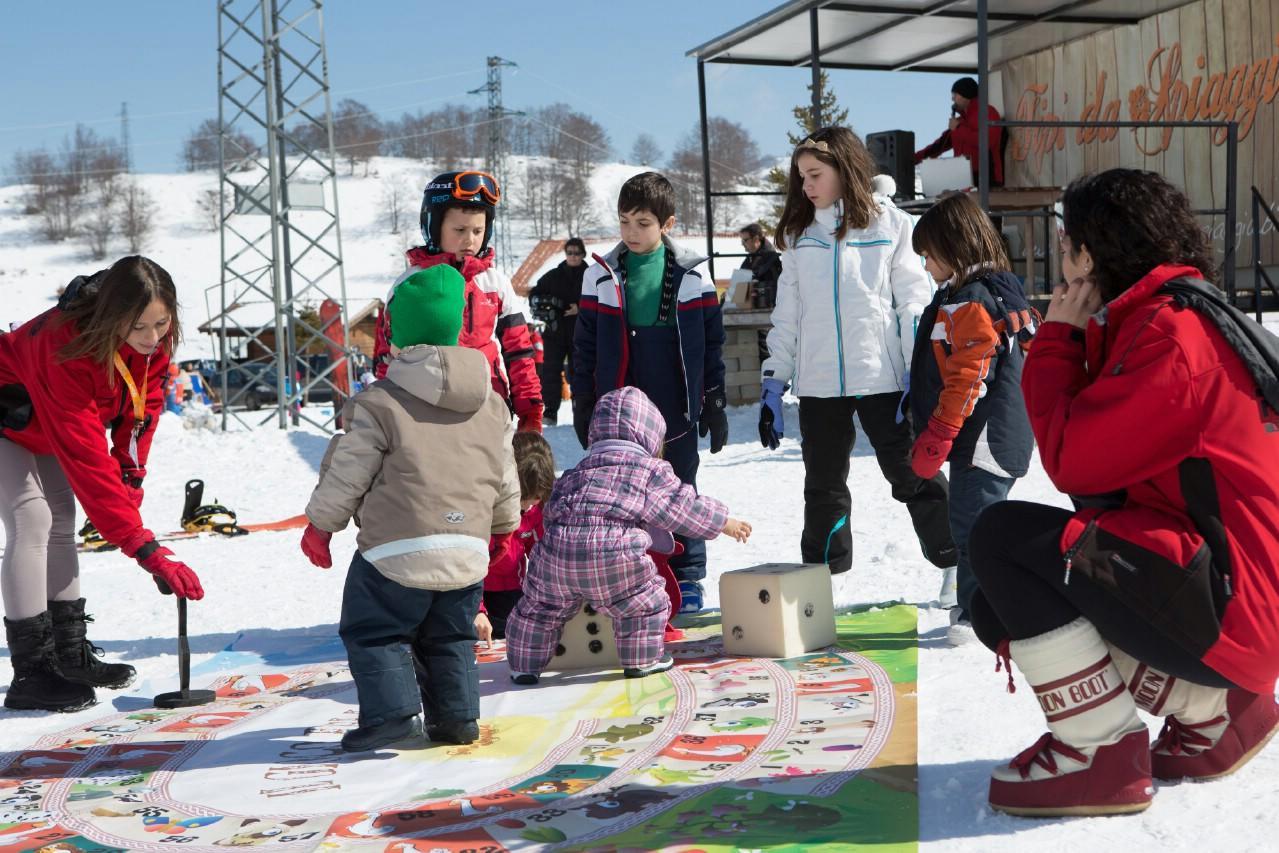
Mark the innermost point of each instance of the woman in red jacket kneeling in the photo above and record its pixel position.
(97, 361)
(1154, 408)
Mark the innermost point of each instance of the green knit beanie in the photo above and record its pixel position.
(427, 308)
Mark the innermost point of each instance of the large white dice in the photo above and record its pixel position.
(777, 610)
(586, 643)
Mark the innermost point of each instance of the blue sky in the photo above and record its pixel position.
(622, 63)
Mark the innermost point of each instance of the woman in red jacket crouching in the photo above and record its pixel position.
(96, 361)
(1154, 405)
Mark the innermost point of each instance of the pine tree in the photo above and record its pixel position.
(830, 113)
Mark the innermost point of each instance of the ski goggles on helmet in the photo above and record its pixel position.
(468, 185)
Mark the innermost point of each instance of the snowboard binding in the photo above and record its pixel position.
(199, 517)
(91, 539)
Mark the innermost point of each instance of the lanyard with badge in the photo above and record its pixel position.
(139, 399)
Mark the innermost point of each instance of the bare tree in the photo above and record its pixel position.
(99, 223)
(208, 205)
(200, 150)
(137, 215)
(645, 151)
(357, 133)
(40, 173)
(735, 162)
(394, 203)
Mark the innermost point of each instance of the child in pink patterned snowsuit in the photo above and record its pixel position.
(596, 539)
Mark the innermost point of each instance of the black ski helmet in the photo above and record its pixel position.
(458, 189)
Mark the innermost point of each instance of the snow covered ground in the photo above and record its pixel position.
(263, 583)
(966, 721)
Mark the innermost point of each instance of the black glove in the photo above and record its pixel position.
(714, 419)
(583, 408)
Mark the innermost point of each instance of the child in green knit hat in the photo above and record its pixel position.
(426, 463)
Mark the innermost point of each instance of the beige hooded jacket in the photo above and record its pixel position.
(426, 469)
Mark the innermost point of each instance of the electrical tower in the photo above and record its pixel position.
(282, 266)
(495, 156)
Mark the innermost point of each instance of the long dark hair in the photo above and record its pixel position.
(1131, 221)
(110, 302)
(959, 234)
(844, 150)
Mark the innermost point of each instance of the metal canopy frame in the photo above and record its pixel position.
(273, 73)
(749, 44)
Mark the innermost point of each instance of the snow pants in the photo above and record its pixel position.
(379, 616)
(827, 436)
(635, 599)
(1015, 549)
(37, 508)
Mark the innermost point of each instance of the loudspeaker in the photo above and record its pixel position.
(894, 153)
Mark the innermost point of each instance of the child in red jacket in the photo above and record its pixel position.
(457, 224)
(508, 554)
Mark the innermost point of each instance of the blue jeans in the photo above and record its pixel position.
(971, 491)
(379, 616)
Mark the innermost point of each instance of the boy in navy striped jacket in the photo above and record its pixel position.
(648, 319)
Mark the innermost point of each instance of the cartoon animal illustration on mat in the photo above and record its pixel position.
(469, 810)
(621, 802)
(556, 786)
(671, 776)
(750, 700)
(741, 724)
(61, 847)
(850, 703)
(591, 754)
(617, 734)
(820, 663)
(365, 827)
(164, 823)
(258, 835)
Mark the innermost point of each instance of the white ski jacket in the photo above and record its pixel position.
(845, 318)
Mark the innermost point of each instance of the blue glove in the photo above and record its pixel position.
(771, 424)
(903, 405)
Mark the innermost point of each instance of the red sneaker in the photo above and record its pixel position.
(1054, 779)
(1219, 746)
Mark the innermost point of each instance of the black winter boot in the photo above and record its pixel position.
(37, 683)
(75, 652)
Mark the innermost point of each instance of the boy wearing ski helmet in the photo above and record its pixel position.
(457, 225)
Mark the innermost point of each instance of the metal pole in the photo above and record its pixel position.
(706, 167)
(345, 314)
(1256, 253)
(287, 351)
(222, 179)
(815, 61)
(269, 59)
(1232, 212)
(983, 99)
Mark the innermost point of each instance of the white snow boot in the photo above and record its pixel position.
(1208, 732)
(1095, 759)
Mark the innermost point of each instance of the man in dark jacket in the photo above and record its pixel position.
(554, 301)
(764, 262)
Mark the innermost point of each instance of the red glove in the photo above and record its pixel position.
(531, 420)
(315, 544)
(135, 494)
(498, 543)
(170, 576)
(931, 448)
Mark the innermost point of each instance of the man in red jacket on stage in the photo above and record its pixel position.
(961, 134)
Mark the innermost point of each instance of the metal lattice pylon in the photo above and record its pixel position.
(281, 239)
(495, 156)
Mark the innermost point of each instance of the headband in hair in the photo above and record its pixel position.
(820, 145)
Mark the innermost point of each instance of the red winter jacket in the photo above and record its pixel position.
(507, 565)
(1155, 402)
(491, 317)
(964, 138)
(72, 403)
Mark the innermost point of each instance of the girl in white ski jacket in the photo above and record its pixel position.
(848, 300)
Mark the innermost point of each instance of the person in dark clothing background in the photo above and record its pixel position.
(961, 135)
(554, 301)
(764, 262)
